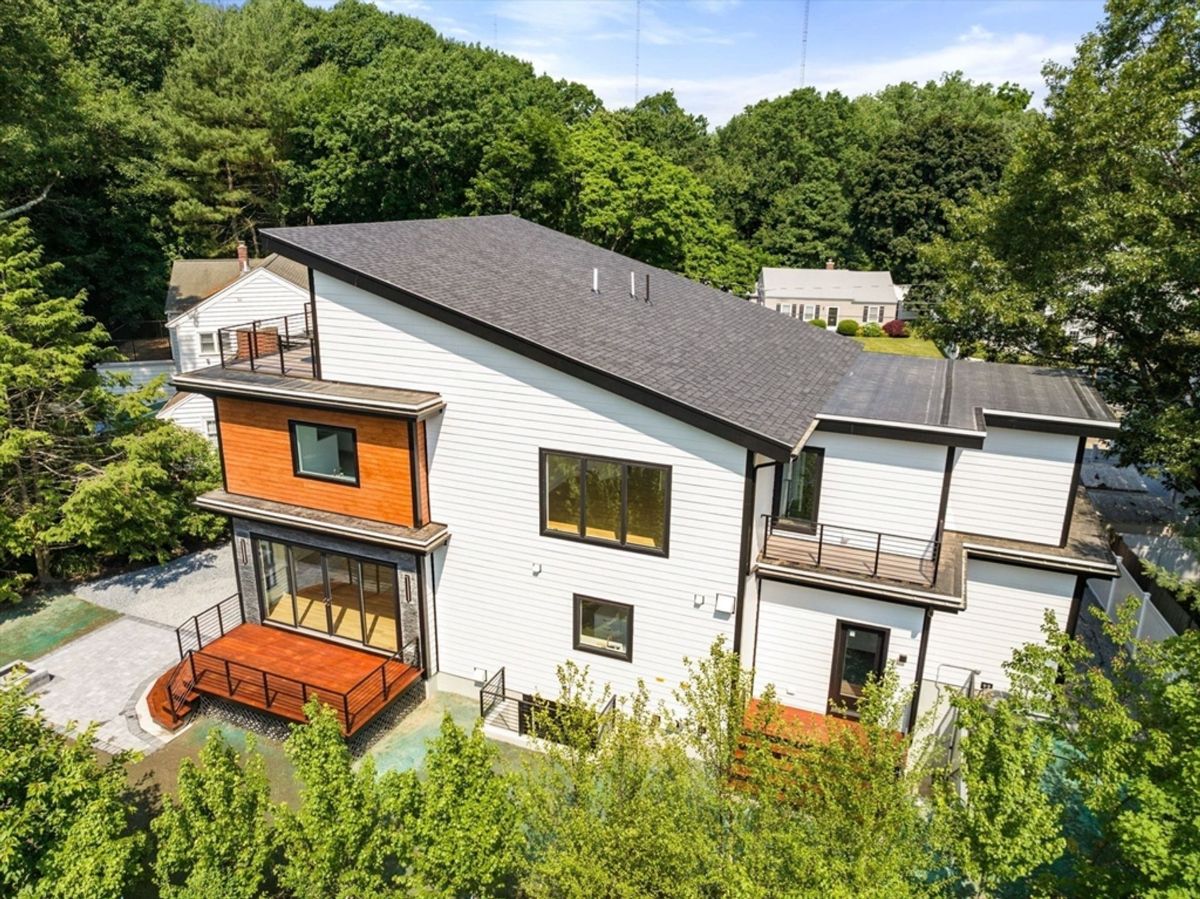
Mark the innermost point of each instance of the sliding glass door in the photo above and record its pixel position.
(330, 593)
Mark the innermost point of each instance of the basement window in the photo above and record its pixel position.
(324, 452)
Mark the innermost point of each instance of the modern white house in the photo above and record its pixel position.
(500, 448)
(205, 296)
(830, 294)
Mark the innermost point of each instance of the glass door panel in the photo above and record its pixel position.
(860, 655)
(309, 577)
(344, 600)
(273, 585)
(379, 604)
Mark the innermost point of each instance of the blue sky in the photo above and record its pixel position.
(720, 55)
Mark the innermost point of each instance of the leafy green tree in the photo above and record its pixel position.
(141, 507)
(50, 402)
(345, 839)
(1095, 224)
(215, 837)
(464, 826)
(64, 815)
(659, 123)
(524, 171)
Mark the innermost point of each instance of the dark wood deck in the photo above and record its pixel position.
(277, 671)
(797, 550)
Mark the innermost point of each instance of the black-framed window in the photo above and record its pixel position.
(326, 452)
(800, 486)
(859, 653)
(604, 627)
(607, 501)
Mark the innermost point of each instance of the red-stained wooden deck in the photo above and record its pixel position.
(277, 671)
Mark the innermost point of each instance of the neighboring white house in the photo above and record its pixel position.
(830, 294)
(206, 295)
(595, 481)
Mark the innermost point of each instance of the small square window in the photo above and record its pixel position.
(208, 343)
(210, 428)
(325, 452)
(604, 627)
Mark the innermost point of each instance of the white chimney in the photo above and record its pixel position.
(829, 266)
(243, 257)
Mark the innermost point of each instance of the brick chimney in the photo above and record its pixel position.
(243, 257)
(829, 266)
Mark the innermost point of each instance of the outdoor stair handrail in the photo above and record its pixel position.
(198, 627)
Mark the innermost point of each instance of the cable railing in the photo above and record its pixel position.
(211, 624)
(284, 345)
(853, 550)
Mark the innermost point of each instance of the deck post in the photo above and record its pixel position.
(221, 344)
(179, 641)
(346, 709)
(196, 622)
(287, 339)
(820, 542)
(253, 342)
(228, 678)
(383, 678)
(220, 621)
(192, 664)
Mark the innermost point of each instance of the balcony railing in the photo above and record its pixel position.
(864, 553)
(285, 345)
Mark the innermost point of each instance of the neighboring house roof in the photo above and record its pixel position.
(699, 354)
(828, 284)
(953, 395)
(194, 280)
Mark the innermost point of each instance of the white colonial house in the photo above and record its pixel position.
(830, 294)
(498, 448)
(206, 297)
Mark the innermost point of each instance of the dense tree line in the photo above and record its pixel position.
(1079, 784)
(143, 130)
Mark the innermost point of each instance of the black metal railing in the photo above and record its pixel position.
(214, 622)
(855, 550)
(284, 345)
(605, 719)
(491, 693)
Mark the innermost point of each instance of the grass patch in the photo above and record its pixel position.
(41, 623)
(901, 346)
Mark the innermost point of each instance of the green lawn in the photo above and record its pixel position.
(901, 346)
(41, 623)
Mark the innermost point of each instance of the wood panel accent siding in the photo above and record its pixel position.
(256, 451)
(423, 473)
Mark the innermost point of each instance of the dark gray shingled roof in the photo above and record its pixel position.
(195, 280)
(942, 393)
(698, 353)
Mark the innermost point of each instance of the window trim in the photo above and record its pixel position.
(800, 525)
(200, 335)
(577, 620)
(850, 707)
(328, 479)
(581, 537)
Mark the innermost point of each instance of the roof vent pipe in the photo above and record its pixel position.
(595, 280)
(647, 297)
(632, 285)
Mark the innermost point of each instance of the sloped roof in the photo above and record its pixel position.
(195, 280)
(829, 284)
(699, 354)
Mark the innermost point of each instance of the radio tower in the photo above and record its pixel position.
(804, 43)
(637, 51)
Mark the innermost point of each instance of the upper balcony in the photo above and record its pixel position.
(285, 345)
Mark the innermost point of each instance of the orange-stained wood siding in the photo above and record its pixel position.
(423, 472)
(256, 450)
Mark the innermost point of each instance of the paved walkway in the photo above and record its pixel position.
(102, 675)
(171, 593)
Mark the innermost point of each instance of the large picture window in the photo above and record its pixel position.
(800, 486)
(608, 501)
(604, 627)
(325, 452)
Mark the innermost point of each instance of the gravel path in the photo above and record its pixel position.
(171, 593)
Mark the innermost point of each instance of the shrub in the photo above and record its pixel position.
(896, 328)
(848, 327)
(818, 323)
(871, 329)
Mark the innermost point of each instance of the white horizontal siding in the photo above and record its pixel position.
(797, 627)
(1005, 607)
(1016, 487)
(504, 592)
(870, 485)
(257, 295)
(193, 413)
